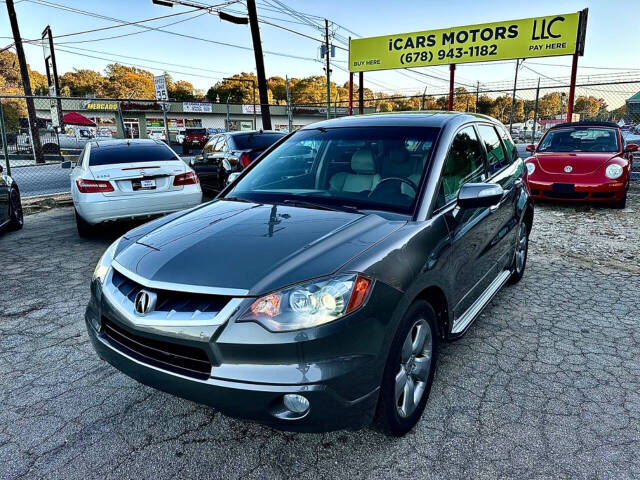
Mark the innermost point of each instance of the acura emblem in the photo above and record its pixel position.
(144, 302)
(568, 169)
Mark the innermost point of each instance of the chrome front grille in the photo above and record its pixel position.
(179, 302)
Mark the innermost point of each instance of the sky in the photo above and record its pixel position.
(203, 63)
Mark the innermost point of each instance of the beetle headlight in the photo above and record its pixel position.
(105, 261)
(531, 167)
(613, 171)
(309, 304)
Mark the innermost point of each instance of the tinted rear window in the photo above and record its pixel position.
(197, 131)
(249, 141)
(129, 153)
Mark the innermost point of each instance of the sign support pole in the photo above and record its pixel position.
(572, 87)
(350, 93)
(452, 69)
(360, 93)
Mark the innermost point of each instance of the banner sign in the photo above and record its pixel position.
(194, 107)
(248, 109)
(530, 37)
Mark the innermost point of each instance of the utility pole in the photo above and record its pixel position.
(328, 67)
(513, 100)
(257, 50)
(26, 83)
(535, 114)
(52, 72)
(424, 92)
(289, 113)
(477, 95)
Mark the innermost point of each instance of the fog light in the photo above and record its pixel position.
(295, 403)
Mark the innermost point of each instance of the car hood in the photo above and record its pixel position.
(580, 163)
(252, 247)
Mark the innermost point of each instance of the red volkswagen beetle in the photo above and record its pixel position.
(583, 161)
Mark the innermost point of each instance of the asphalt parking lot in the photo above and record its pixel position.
(546, 384)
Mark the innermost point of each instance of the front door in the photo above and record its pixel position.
(472, 261)
(4, 199)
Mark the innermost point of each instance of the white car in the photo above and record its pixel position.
(124, 179)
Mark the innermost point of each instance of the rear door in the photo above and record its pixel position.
(505, 171)
(136, 168)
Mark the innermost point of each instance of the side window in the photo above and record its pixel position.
(464, 164)
(512, 151)
(222, 142)
(496, 156)
(209, 147)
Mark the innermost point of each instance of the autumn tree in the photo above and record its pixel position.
(123, 82)
(549, 105)
(589, 107)
(82, 82)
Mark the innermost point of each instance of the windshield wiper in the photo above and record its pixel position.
(237, 199)
(320, 206)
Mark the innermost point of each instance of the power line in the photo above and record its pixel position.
(170, 32)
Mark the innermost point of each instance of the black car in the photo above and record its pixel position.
(227, 153)
(314, 292)
(11, 217)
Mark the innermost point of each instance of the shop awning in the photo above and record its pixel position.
(74, 118)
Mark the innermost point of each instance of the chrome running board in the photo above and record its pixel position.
(472, 312)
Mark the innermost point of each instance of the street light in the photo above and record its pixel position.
(253, 82)
(252, 20)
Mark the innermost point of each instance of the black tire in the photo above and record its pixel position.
(85, 229)
(620, 204)
(517, 269)
(388, 414)
(51, 149)
(16, 217)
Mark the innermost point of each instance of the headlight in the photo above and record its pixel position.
(531, 167)
(613, 171)
(309, 304)
(105, 261)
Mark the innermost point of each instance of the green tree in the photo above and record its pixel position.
(485, 104)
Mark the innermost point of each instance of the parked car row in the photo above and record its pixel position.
(11, 217)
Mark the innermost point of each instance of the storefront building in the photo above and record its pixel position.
(141, 119)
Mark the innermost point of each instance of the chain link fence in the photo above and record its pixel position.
(537, 107)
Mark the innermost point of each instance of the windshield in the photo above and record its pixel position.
(196, 131)
(377, 168)
(130, 153)
(581, 139)
(256, 140)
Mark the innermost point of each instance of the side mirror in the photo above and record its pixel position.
(205, 155)
(631, 147)
(67, 164)
(530, 148)
(226, 164)
(232, 177)
(479, 195)
(1, 169)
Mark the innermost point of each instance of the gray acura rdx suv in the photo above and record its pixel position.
(313, 293)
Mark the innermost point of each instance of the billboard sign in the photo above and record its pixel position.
(530, 37)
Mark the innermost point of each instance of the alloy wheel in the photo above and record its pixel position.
(415, 366)
(521, 248)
